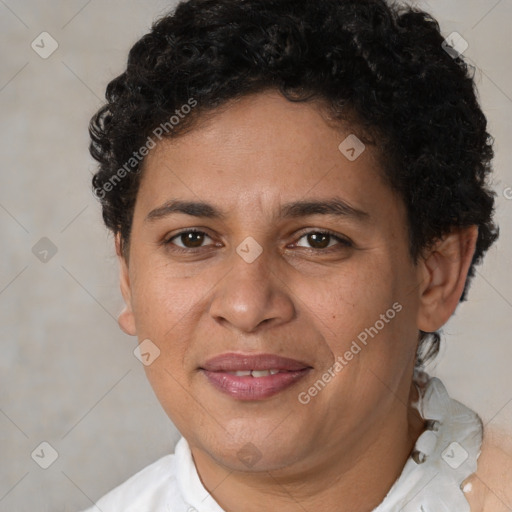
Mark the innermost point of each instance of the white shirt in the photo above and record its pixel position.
(445, 454)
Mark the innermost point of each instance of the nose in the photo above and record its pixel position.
(252, 295)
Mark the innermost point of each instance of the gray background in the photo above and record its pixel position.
(68, 375)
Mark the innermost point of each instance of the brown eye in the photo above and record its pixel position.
(188, 239)
(322, 240)
(319, 240)
(192, 239)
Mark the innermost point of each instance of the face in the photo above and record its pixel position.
(293, 257)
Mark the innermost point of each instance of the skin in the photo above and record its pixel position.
(490, 487)
(297, 299)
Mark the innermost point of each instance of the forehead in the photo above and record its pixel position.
(262, 151)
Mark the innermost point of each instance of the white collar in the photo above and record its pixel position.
(444, 455)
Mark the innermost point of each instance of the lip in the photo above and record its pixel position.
(232, 362)
(253, 388)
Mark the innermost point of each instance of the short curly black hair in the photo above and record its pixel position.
(381, 66)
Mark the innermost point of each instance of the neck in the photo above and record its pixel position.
(356, 477)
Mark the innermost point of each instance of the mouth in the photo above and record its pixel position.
(253, 377)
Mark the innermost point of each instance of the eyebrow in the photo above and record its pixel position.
(334, 207)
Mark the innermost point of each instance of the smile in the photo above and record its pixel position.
(253, 377)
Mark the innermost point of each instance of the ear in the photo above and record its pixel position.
(125, 319)
(444, 270)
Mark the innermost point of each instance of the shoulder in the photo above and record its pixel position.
(491, 485)
(147, 490)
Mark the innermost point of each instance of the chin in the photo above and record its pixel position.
(247, 457)
(253, 450)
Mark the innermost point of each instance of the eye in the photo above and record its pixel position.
(193, 240)
(321, 240)
(190, 239)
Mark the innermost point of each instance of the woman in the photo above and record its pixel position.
(298, 193)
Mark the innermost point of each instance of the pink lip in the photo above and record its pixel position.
(248, 387)
(232, 362)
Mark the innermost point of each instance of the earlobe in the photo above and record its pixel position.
(444, 271)
(126, 318)
(126, 321)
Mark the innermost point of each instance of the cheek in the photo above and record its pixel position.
(162, 302)
(166, 310)
(351, 299)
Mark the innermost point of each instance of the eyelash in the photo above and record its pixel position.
(345, 242)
